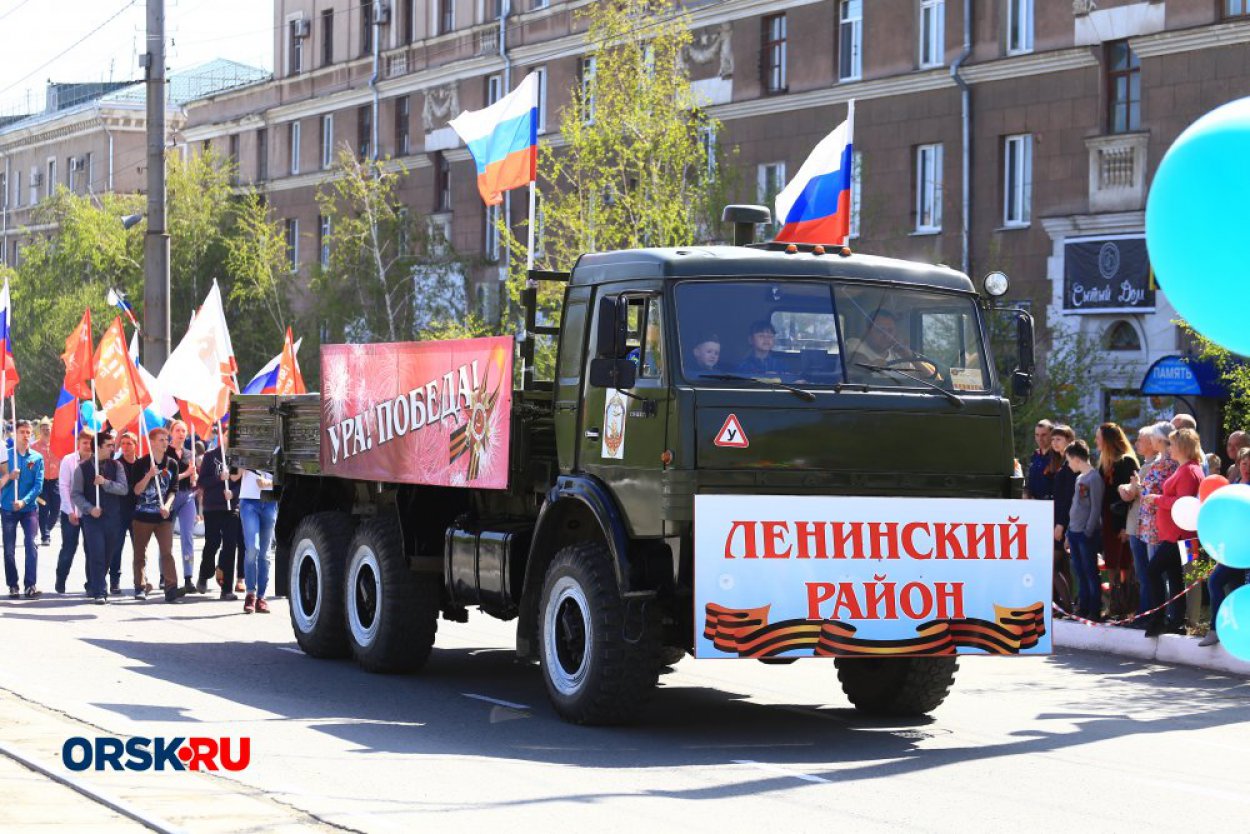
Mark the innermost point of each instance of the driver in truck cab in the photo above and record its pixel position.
(880, 344)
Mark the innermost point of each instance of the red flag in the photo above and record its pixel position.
(79, 363)
(122, 394)
(290, 380)
(200, 421)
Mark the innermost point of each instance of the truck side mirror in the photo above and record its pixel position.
(1021, 386)
(1022, 376)
(610, 337)
(613, 373)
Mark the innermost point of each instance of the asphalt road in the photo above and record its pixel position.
(1075, 740)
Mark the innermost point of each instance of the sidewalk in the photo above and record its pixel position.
(1129, 642)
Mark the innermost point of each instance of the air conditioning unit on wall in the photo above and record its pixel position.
(77, 163)
(303, 28)
(381, 13)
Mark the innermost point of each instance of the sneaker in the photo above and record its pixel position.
(229, 596)
(201, 587)
(141, 593)
(262, 607)
(188, 587)
(32, 592)
(220, 576)
(14, 592)
(60, 587)
(101, 600)
(173, 594)
(249, 604)
(45, 540)
(1210, 640)
(115, 588)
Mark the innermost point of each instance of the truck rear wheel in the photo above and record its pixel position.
(598, 669)
(392, 613)
(318, 554)
(902, 686)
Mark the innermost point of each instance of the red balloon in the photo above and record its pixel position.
(1210, 484)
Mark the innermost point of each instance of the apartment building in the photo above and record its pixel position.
(91, 138)
(1018, 135)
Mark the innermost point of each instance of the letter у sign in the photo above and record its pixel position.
(825, 576)
(1107, 275)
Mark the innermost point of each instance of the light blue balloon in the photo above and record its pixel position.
(1233, 623)
(1196, 223)
(86, 413)
(152, 418)
(1224, 526)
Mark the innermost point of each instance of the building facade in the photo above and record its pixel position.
(1013, 135)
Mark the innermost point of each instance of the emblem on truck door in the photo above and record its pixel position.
(614, 415)
(731, 434)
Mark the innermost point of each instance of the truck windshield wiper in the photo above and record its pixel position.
(805, 396)
(926, 383)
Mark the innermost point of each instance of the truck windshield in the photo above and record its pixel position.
(825, 334)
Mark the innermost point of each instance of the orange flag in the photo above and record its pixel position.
(290, 380)
(122, 394)
(79, 364)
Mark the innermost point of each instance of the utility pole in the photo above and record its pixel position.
(156, 335)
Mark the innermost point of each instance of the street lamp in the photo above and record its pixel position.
(131, 220)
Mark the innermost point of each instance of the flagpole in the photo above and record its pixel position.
(850, 138)
(95, 442)
(4, 430)
(13, 410)
(529, 256)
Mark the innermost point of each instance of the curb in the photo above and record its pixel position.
(1167, 648)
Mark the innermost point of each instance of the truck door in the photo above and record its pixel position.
(623, 433)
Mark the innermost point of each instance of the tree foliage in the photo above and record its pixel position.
(1234, 373)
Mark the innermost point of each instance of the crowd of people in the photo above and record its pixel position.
(1113, 513)
(105, 490)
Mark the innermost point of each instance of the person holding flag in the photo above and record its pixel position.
(97, 491)
(815, 206)
(79, 361)
(152, 516)
(19, 488)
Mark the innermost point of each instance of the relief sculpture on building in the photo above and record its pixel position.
(442, 104)
(712, 48)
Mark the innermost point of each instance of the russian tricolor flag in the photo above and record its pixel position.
(266, 379)
(503, 139)
(6, 342)
(815, 206)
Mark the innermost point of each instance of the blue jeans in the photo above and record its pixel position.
(183, 509)
(259, 518)
(69, 546)
(50, 509)
(1141, 563)
(1085, 565)
(100, 537)
(115, 557)
(1218, 581)
(29, 520)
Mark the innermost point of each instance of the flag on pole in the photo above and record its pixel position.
(161, 402)
(503, 139)
(266, 379)
(118, 300)
(815, 206)
(122, 394)
(11, 378)
(200, 370)
(79, 368)
(290, 380)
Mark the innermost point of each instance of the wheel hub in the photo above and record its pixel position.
(568, 635)
(307, 586)
(364, 598)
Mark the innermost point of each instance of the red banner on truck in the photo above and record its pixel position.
(434, 413)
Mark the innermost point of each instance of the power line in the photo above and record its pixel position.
(15, 8)
(60, 54)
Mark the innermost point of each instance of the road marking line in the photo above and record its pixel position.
(496, 701)
(747, 746)
(781, 771)
(290, 649)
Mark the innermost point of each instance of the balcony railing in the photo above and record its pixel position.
(1117, 171)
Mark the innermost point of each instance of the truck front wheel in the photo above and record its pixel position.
(392, 613)
(598, 668)
(317, 555)
(901, 686)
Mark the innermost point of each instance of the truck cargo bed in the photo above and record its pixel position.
(280, 434)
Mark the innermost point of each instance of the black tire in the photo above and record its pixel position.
(901, 686)
(318, 557)
(598, 669)
(391, 612)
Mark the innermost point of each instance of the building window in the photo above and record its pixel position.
(932, 32)
(89, 169)
(857, 170)
(292, 243)
(408, 25)
(35, 179)
(366, 27)
(323, 240)
(295, 46)
(364, 130)
(1123, 88)
(17, 188)
(770, 178)
(850, 40)
(492, 233)
(586, 76)
(233, 149)
(929, 188)
(1019, 26)
(1236, 8)
(494, 89)
(49, 183)
(442, 182)
(4, 195)
(262, 154)
(1017, 180)
(293, 144)
(773, 53)
(69, 172)
(707, 138)
(541, 72)
(1122, 336)
(539, 4)
(402, 144)
(327, 37)
(446, 16)
(327, 141)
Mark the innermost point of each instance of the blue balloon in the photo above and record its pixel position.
(1233, 623)
(1196, 223)
(152, 418)
(1224, 526)
(86, 412)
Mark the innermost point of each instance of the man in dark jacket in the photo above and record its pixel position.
(221, 523)
(98, 490)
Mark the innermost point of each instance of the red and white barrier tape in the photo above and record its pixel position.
(1127, 620)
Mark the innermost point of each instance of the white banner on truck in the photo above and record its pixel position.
(825, 576)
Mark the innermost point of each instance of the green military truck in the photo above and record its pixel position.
(855, 391)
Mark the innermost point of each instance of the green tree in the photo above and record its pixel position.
(1234, 373)
(390, 273)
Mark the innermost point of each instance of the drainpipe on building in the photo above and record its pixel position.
(373, 79)
(965, 96)
(104, 124)
(4, 210)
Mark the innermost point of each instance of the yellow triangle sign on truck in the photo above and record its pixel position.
(731, 434)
